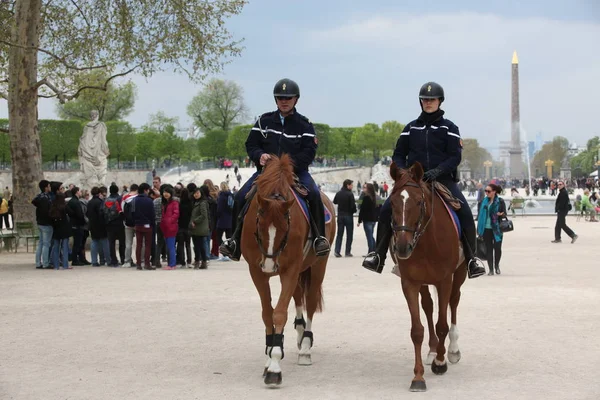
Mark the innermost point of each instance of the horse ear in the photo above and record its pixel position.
(417, 170)
(394, 171)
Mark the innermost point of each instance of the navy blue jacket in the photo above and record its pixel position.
(144, 210)
(437, 145)
(223, 211)
(295, 137)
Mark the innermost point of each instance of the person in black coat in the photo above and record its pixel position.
(561, 208)
(61, 231)
(97, 226)
(368, 214)
(345, 217)
(184, 239)
(224, 213)
(75, 212)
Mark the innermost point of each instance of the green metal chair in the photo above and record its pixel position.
(8, 241)
(28, 231)
(517, 204)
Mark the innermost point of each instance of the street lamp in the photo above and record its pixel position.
(549, 163)
(487, 164)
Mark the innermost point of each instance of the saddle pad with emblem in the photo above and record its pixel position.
(304, 207)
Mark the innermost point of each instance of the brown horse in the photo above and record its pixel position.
(427, 250)
(275, 242)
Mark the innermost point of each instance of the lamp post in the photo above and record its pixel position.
(488, 165)
(549, 163)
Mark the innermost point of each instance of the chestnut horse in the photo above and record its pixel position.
(427, 250)
(275, 242)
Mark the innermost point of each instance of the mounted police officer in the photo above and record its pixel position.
(278, 132)
(435, 142)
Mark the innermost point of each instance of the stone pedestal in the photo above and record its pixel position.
(565, 173)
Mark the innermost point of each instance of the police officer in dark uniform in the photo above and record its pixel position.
(435, 142)
(279, 132)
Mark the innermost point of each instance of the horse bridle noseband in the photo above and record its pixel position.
(420, 229)
(275, 196)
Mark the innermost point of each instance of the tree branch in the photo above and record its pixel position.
(81, 12)
(105, 86)
(57, 58)
(61, 96)
(3, 130)
(4, 95)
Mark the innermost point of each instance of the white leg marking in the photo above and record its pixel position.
(453, 351)
(269, 264)
(299, 311)
(304, 355)
(275, 358)
(299, 328)
(438, 362)
(430, 357)
(268, 358)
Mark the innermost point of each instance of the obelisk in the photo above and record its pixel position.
(516, 152)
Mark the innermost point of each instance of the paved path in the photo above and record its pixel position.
(101, 333)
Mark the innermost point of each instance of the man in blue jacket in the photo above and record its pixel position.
(435, 143)
(279, 132)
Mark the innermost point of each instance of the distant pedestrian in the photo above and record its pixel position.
(368, 214)
(562, 208)
(345, 220)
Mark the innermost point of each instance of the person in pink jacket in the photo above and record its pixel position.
(170, 223)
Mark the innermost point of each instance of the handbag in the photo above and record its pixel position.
(506, 225)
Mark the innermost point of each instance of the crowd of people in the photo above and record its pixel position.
(166, 222)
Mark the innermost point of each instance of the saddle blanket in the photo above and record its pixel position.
(304, 206)
(455, 219)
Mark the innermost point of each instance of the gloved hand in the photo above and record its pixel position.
(432, 174)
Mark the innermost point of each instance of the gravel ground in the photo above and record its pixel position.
(103, 333)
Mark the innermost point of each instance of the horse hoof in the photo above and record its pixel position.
(418, 386)
(454, 357)
(304, 359)
(430, 358)
(273, 379)
(439, 369)
(265, 371)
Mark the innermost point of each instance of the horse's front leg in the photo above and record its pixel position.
(289, 281)
(427, 304)
(417, 332)
(313, 288)
(439, 365)
(459, 279)
(299, 321)
(261, 282)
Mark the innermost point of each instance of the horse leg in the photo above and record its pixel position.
(459, 278)
(261, 282)
(289, 282)
(312, 287)
(299, 322)
(427, 304)
(417, 331)
(439, 365)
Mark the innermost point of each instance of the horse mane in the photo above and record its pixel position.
(403, 178)
(277, 176)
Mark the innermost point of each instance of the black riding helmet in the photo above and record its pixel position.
(431, 90)
(286, 88)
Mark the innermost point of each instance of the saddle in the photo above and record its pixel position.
(296, 187)
(447, 196)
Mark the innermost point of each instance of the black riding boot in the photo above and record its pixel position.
(469, 242)
(232, 247)
(375, 260)
(317, 216)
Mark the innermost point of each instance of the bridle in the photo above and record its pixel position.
(420, 229)
(275, 196)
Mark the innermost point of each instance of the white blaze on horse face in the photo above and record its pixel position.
(269, 263)
(405, 197)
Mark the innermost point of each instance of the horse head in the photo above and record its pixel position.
(408, 208)
(273, 213)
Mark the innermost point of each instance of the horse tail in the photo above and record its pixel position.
(305, 283)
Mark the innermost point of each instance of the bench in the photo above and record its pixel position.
(28, 231)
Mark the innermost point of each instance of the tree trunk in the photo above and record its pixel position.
(22, 108)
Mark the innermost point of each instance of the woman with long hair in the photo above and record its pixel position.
(213, 251)
(199, 227)
(169, 223)
(368, 213)
(492, 210)
(61, 231)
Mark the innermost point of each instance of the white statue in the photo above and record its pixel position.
(93, 152)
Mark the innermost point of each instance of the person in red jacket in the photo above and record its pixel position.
(170, 223)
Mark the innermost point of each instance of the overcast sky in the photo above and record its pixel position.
(364, 61)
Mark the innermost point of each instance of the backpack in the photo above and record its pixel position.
(230, 201)
(110, 213)
(128, 210)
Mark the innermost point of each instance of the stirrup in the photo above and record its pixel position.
(475, 268)
(323, 252)
(372, 262)
(226, 247)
